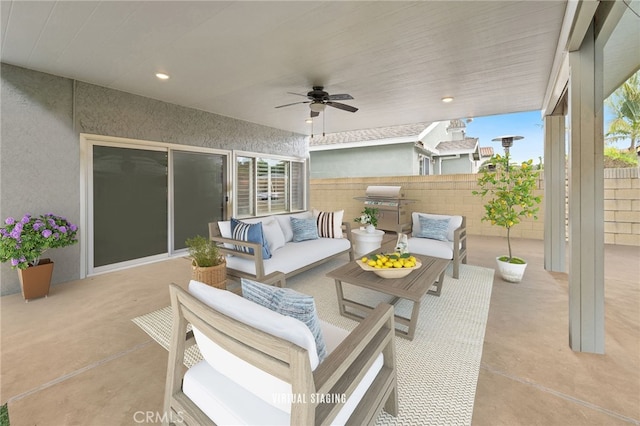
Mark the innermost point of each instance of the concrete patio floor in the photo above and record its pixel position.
(75, 358)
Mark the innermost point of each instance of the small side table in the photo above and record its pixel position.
(365, 242)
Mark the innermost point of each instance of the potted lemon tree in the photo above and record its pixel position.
(509, 190)
(209, 266)
(23, 242)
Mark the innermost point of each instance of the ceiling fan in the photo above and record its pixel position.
(319, 99)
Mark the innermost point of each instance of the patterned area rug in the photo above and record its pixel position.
(437, 371)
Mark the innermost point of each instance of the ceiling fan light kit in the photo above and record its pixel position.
(317, 106)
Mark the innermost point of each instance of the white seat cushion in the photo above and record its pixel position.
(429, 247)
(292, 256)
(227, 403)
(253, 379)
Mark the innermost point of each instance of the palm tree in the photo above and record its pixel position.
(625, 103)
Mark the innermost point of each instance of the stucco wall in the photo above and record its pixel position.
(383, 160)
(39, 152)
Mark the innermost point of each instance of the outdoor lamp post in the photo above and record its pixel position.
(507, 142)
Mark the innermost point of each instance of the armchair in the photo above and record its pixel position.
(353, 383)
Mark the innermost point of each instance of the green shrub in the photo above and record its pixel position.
(204, 252)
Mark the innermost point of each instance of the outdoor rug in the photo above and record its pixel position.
(437, 371)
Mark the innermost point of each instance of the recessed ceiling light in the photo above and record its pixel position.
(447, 99)
(308, 121)
(162, 76)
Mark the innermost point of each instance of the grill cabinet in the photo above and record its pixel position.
(391, 204)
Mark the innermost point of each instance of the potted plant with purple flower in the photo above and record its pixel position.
(22, 243)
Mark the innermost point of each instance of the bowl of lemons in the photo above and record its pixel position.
(390, 265)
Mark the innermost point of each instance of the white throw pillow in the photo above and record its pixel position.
(273, 233)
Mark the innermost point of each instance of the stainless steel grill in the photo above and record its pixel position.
(391, 204)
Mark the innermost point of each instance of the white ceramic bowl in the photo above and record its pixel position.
(390, 272)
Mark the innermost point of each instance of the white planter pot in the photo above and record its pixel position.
(371, 229)
(511, 272)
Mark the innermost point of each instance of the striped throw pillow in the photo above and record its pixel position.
(251, 232)
(329, 223)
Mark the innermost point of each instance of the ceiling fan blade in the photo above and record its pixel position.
(295, 103)
(314, 114)
(298, 94)
(344, 107)
(340, 97)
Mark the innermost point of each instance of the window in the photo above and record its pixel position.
(267, 185)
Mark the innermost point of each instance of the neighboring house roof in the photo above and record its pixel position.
(465, 145)
(403, 131)
(486, 151)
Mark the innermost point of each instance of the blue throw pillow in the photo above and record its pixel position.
(251, 232)
(290, 303)
(304, 229)
(435, 229)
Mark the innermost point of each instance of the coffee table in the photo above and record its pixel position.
(413, 287)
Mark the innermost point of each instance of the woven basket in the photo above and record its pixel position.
(215, 276)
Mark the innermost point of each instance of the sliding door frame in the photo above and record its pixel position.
(87, 141)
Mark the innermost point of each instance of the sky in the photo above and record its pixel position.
(527, 124)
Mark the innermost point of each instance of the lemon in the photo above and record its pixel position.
(397, 264)
(388, 264)
(365, 259)
(372, 263)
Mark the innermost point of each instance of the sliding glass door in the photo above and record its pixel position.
(145, 201)
(199, 194)
(129, 204)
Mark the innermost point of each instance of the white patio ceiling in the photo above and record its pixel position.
(239, 59)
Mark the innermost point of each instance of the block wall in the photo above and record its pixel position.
(451, 194)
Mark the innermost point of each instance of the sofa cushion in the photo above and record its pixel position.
(293, 256)
(454, 222)
(304, 229)
(329, 223)
(285, 223)
(429, 247)
(250, 232)
(287, 302)
(273, 233)
(252, 379)
(225, 402)
(436, 229)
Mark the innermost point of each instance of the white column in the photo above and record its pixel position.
(586, 198)
(554, 193)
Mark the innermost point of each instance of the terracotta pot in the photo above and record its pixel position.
(36, 280)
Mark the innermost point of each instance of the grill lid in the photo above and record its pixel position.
(384, 192)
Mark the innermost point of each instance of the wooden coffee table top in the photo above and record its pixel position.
(412, 287)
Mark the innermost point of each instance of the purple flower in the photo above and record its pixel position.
(19, 226)
(73, 228)
(51, 222)
(63, 229)
(37, 225)
(46, 233)
(14, 262)
(26, 218)
(9, 221)
(15, 234)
